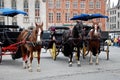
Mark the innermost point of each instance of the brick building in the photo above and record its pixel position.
(59, 12)
(52, 12)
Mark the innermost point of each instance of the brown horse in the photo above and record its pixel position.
(94, 42)
(32, 42)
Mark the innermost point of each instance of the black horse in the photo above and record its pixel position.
(73, 41)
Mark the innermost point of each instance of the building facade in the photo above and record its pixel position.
(52, 12)
(114, 18)
(59, 12)
(35, 8)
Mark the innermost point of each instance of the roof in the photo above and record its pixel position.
(9, 26)
(58, 27)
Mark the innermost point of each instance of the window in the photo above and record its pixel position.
(50, 17)
(13, 4)
(67, 4)
(75, 4)
(1, 3)
(82, 4)
(74, 14)
(91, 4)
(26, 6)
(67, 16)
(26, 9)
(37, 19)
(58, 17)
(37, 4)
(50, 4)
(98, 5)
(58, 4)
(2, 20)
(118, 14)
(118, 25)
(14, 21)
(37, 11)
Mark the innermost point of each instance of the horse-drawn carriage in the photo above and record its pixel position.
(52, 39)
(104, 47)
(79, 45)
(8, 41)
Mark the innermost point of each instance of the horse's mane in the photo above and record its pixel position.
(77, 30)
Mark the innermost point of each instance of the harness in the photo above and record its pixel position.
(33, 44)
(29, 33)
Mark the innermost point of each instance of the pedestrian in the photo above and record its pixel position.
(119, 41)
(115, 41)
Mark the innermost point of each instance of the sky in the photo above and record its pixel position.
(114, 1)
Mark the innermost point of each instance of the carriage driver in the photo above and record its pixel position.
(52, 33)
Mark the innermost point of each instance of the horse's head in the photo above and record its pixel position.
(95, 31)
(77, 30)
(37, 32)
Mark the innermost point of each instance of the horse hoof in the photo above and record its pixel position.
(70, 64)
(91, 63)
(30, 70)
(78, 65)
(24, 67)
(38, 70)
(97, 63)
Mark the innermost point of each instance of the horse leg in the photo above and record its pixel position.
(38, 66)
(30, 64)
(91, 60)
(70, 59)
(25, 61)
(97, 62)
(24, 57)
(78, 54)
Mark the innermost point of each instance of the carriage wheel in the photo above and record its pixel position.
(53, 53)
(0, 54)
(107, 52)
(85, 51)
